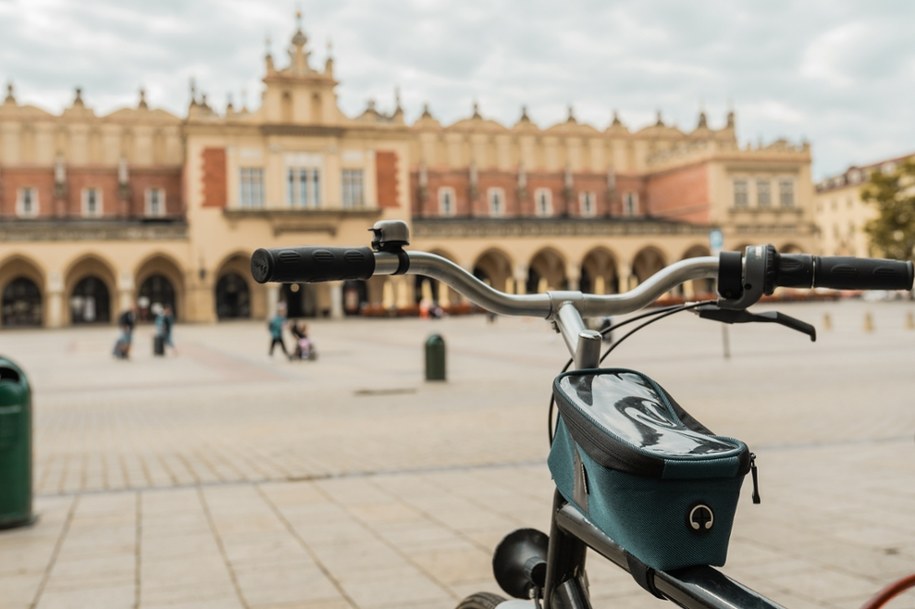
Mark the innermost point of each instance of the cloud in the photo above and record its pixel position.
(834, 71)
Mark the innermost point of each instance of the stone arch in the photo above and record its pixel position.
(546, 271)
(159, 279)
(232, 295)
(90, 285)
(21, 280)
(648, 261)
(495, 267)
(599, 274)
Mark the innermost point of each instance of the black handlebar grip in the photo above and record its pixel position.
(311, 264)
(848, 273)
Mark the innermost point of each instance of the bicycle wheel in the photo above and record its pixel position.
(481, 600)
(891, 591)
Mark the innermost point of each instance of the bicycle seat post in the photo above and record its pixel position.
(583, 344)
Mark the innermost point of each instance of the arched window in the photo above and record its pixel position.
(90, 301)
(233, 298)
(157, 289)
(21, 303)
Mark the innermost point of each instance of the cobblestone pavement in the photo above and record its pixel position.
(224, 478)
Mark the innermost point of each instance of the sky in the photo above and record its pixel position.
(837, 73)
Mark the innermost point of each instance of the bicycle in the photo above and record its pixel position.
(639, 480)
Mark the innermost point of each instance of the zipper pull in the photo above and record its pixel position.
(755, 474)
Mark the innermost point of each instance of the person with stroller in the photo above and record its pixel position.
(304, 347)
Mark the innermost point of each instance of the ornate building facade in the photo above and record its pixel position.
(842, 213)
(99, 212)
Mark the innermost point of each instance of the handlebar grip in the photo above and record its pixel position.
(311, 264)
(848, 273)
(843, 272)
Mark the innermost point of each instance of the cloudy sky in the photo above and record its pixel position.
(839, 73)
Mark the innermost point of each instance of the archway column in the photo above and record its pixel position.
(273, 299)
(125, 294)
(200, 301)
(336, 299)
(54, 299)
(520, 276)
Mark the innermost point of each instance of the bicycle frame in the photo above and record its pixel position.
(692, 588)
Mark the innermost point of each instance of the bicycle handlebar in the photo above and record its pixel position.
(309, 264)
(842, 272)
(741, 279)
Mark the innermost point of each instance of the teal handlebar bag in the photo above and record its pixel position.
(645, 472)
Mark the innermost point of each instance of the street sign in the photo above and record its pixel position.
(716, 240)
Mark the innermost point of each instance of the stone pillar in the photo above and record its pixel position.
(336, 299)
(125, 292)
(521, 279)
(54, 301)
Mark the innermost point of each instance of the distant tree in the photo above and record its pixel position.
(892, 231)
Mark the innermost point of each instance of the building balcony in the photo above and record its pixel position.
(324, 219)
(92, 229)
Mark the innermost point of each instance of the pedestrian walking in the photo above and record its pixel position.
(126, 323)
(275, 326)
(165, 321)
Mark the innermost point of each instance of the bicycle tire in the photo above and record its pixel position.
(891, 591)
(481, 600)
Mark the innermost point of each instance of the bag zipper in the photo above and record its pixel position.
(756, 498)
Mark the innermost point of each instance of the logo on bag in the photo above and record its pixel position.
(701, 518)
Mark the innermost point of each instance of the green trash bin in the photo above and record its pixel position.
(15, 446)
(435, 358)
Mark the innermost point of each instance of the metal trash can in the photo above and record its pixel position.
(435, 358)
(15, 446)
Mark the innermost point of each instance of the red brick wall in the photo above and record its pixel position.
(168, 179)
(459, 180)
(41, 179)
(626, 184)
(508, 182)
(386, 178)
(104, 179)
(680, 194)
(214, 177)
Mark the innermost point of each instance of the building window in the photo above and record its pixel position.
(741, 194)
(352, 189)
(155, 202)
(586, 204)
(92, 202)
(631, 204)
(27, 202)
(496, 202)
(446, 201)
(543, 202)
(763, 193)
(303, 187)
(786, 193)
(252, 187)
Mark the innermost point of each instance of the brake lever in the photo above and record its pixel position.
(741, 316)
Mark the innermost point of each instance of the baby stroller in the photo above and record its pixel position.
(304, 346)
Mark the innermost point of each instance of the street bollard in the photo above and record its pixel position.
(435, 358)
(868, 322)
(15, 446)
